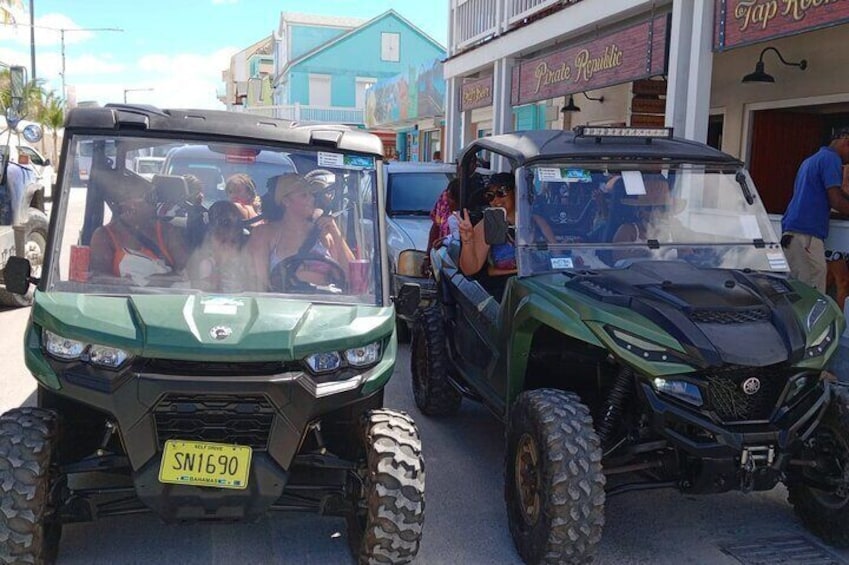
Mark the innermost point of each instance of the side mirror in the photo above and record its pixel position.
(495, 226)
(16, 275)
(410, 263)
(407, 301)
(47, 162)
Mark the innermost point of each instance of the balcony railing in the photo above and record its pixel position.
(310, 114)
(478, 20)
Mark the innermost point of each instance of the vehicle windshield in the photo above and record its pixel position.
(600, 217)
(150, 165)
(271, 228)
(414, 193)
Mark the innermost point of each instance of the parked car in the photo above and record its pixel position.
(656, 341)
(411, 191)
(44, 170)
(148, 166)
(200, 396)
(214, 167)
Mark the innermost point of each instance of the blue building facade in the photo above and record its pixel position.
(324, 70)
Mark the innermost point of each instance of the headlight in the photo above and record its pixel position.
(363, 356)
(682, 390)
(62, 347)
(324, 362)
(68, 349)
(821, 343)
(648, 350)
(109, 357)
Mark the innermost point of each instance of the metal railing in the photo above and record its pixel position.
(517, 10)
(475, 21)
(306, 113)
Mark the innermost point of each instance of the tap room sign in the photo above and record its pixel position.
(743, 22)
(476, 94)
(637, 52)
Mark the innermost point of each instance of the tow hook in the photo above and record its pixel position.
(753, 459)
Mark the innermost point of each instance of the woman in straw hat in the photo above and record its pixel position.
(302, 231)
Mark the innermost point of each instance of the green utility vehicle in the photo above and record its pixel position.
(655, 341)
(159, 361)
(23, 223)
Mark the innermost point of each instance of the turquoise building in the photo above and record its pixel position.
(323, 66)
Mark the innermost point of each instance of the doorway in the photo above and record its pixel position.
(782, 139)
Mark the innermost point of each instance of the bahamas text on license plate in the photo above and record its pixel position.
(205, 464)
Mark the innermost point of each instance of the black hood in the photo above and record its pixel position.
(720, 316)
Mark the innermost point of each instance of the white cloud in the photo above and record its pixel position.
(48, 31)
(184, 80)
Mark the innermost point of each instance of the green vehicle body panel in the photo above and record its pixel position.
(543, 300)
(264, 328)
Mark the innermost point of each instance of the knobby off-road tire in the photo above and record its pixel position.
(27, 445)
(433, 393)
(35, 247)
(388, 527)
(403, 331)
(827, 514)
(554, 484)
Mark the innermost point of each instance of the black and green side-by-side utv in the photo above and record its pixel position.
(225, 366)
(651, 338)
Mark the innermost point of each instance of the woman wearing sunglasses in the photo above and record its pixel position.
(500, 259)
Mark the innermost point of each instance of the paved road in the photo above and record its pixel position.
(465, 520)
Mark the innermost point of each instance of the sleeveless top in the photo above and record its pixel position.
(503, 255)
(318, 249)
(121, 252)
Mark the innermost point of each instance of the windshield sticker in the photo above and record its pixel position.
(359, 162)
(220, 305)
(331, 159)
(578, 175)
(634, 185)
(777, 262)
(549, 174)
(750, 227)
(561, 262)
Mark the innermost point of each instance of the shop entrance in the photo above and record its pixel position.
(781, 140)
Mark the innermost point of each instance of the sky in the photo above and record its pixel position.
(170, 53)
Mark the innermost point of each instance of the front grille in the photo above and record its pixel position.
(735, 316)
(726, 397)
(206, 368)
(236, 419)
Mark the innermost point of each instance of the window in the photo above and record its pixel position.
(390, 47)
(320, 90)
(363, 84)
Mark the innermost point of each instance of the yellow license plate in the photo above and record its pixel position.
(205, 464)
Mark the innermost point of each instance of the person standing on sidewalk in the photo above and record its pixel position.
(817, 190)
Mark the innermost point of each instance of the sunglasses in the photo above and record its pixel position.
(491, 195)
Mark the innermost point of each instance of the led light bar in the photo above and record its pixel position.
(606, 131)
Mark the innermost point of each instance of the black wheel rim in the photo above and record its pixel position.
(527, 479)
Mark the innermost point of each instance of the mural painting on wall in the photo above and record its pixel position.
(742, 22)
(418, 94)
(640, 51)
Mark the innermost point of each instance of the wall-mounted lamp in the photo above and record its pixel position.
(571, 107)
(759, 75)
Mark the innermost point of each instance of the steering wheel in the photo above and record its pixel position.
(284, 276)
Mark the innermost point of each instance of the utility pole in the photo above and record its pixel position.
(62, 41)
(32, 36)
